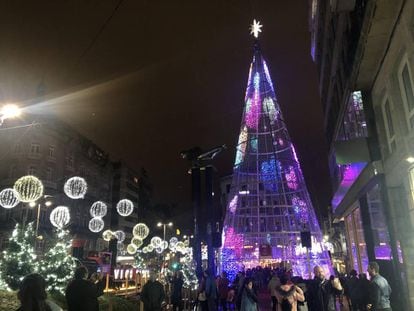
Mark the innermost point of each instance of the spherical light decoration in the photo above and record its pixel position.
(164, 244)
(125, 207)
(145, 249)
(150, 248)
(180, 247)
(131, 249)
(159, 249)
(140, 231)
(98, 209)
(75, 187)
(96, 224)
(156, 241)
(120, 235)
(107, 235)
(137, 242)
(60, 217)
(9, 198)
(120, 246)
(29, 188)
(173, 241)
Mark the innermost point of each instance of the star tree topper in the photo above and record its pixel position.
(255, 28)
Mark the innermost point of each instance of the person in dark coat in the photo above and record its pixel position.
(82, 294)
(152, 294)
(176, 295)
(322, 292)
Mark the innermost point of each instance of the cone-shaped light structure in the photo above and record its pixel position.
(269, 207)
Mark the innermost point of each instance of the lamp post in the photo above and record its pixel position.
(39, 205)
(164, 226)
(9, 111)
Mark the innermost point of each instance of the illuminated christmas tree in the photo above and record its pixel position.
(269, 205)
(57, 265)
(19, 258)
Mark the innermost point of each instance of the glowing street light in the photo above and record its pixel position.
(164, 225)
(9, 111)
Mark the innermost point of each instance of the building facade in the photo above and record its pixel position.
(350, 43)
(52, 151)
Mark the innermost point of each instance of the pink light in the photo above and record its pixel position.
(234, 241)
(291, 179)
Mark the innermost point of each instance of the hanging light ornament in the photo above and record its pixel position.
(75, 187)
(125, 207)
(131, 249)
(164, 244)
(107, 235)
(137, 242)
(29, 188)
(156, 241)
(120, 235)
(150, 248)
(120, 246)
(159, 249)
(173, 241)
(9, 198)
(98, 209)
(60, 217)
(145, 249)
(96, 224)
(180, 247)
(140, 231)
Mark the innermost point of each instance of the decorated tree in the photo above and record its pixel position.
(19, 258)
(57, 265)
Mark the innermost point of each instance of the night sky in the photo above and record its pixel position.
(147, 79)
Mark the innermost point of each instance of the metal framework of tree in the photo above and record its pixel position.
(269, 205)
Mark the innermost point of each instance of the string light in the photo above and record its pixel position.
(9, 198)
(98, 209)
(75, 187)
(140, 230)
(125, 207)
(60, 217)
(29, 188)
(96, 224)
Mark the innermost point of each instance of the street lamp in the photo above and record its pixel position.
(9, 111)
(164, 225)
(47, 203)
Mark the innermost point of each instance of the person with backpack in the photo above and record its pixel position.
(288, 295)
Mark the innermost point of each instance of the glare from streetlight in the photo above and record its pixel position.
(170, 224)
(48, 203)
(159, 224)
(9, 111)
(32, 204)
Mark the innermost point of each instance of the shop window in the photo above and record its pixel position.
(356, 241)
(378, 224)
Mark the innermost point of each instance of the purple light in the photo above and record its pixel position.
(253, 114)
(233, 204)
(301, 209)
(352, 171)
(266, 70)
(294, 154)
(291, 179)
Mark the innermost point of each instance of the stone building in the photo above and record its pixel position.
(54, 152)
(362, 50)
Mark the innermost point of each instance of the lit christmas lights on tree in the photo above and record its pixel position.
(19, 258)
(269, 205)
(57, 266)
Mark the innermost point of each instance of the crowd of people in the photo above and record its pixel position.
(290, 293)
(287, 293)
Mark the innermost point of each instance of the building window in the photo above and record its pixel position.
(17, 148)
(35, 149)
(354, 124)
(51, 152)
(49, 174)
(407, 93)
(69, 161)
(31, 170)
(389, 125)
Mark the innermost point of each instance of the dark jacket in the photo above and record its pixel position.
(177, 286)
(321, 295)
(152, 295)
(379, 293)
(82, 295)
